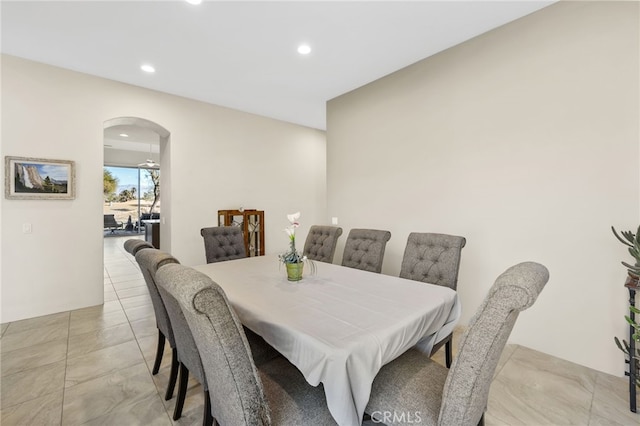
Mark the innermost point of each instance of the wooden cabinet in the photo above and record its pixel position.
(252, 223)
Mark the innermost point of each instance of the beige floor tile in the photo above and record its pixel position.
(84, 323)
(130, 266)
(126, 293)
(161, 379)
(145, 327)
(126, 396)
(32, 383)
(135, 301)
(490, 420)
(146, 411)
(45, 410)
(610, 395)
(140, 312)
(85, 343)
(33, 356)
(534, 388)
(96, 311)
(148, 346)
(116, 262)
(110, 296)
(102, 362)
(38, 322)
(130, 282)
(34, 336)
(506, 354)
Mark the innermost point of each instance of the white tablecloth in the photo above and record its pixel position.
(339, 326)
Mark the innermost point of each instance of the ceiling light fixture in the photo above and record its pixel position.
(304, 49)
(194, 1)
(150, 164)
(124, 135)
(148, 68)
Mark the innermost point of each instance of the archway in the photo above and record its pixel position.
(148, 134)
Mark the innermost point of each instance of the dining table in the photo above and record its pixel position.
(337, 325)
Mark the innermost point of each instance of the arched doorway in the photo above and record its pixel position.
(129, 144)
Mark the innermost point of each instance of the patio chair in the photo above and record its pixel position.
(111, 223)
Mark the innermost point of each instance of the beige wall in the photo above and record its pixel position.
(216, 158)
(524, 140)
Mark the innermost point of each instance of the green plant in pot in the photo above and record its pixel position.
(632, 241)
(293, 260)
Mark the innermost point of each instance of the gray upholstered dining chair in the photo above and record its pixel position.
(188, 357)
(321, 243)
(149, 261)
(364, 249)
(434, 259)
(133, 245)
(223, 243)
(413, 383)
(274, 393)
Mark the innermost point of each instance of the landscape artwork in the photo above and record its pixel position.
(39, 179)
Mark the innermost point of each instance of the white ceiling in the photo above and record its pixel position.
(137, 138)
(243, 54)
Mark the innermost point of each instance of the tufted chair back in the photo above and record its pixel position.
(186, 345)
(364, 249)
(466, 389)
(238, 395)
(149, 262)
(223, 243)
(412, 383)
(133, 245)
(432, 258)
(321, 243)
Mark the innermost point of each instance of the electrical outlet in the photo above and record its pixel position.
(26, 228)
(334, 220)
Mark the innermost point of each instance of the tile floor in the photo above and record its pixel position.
(92, 367)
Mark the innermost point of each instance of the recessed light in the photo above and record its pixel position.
(304, 49)
(194, 1)
(124, 135)
(148, 68)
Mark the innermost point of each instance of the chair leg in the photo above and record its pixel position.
(159, 352)
(481, 422)
(174, 374)
(182, 391)
(448, 349)
(207, 417)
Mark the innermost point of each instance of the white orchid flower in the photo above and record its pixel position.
(291, 232)
(293, 219)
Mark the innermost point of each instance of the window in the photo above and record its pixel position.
(131, 193)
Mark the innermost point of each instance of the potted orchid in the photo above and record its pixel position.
(292, 259)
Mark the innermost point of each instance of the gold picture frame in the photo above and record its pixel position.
(39, 179)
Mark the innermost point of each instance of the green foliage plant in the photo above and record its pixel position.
(110, 183)
(632, 241)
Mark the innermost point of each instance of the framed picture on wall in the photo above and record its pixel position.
(39, 179)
